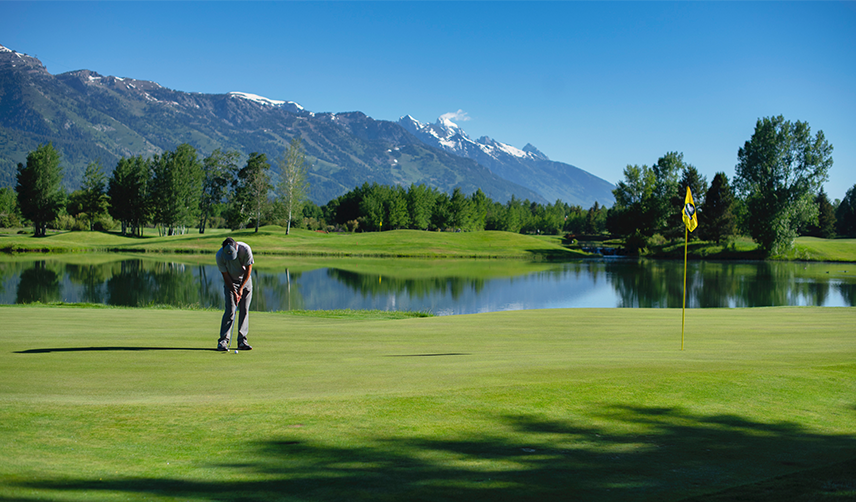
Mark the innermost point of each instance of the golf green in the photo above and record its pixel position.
(579, 404)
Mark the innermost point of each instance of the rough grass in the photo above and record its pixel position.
(272, 240)
(743, 248)
(131, 404)
(816, 249)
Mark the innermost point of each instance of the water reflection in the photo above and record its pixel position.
(38, 283)
(443, 287)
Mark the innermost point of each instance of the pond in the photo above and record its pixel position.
(443, 287)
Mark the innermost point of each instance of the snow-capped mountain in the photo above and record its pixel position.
(449, 136)
(290, 106)
(528, 166)
(92, 117)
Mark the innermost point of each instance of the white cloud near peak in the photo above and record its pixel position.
(458, 116)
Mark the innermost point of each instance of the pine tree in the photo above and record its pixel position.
(716, 217)
(825, 216)
(845, 214)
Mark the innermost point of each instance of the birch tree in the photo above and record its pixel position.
(293, 187)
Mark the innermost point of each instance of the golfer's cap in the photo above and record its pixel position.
(230, 251)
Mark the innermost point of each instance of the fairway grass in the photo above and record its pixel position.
(566, 404)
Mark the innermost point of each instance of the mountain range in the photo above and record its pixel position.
(91, 117)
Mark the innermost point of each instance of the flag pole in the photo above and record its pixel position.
(684, 309)
(691, 221)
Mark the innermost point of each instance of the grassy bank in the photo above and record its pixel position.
(743, 248)
(131, 404)
(273, 240)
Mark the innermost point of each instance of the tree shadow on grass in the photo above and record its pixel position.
(643, 454)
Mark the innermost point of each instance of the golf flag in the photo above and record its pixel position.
(691, 221)
(689, 213)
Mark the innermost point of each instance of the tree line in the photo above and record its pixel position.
(177, 190)
(171, 191)
(776, 194)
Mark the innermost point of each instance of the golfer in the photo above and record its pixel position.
(235, 261)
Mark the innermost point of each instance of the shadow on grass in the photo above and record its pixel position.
(669, 455)
(107, 349)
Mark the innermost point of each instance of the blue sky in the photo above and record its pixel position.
(599, 85)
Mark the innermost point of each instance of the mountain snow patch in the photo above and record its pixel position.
(263, 100)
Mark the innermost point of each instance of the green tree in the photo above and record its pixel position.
(460, 210)
(845, 214)
(634, 203)
(8, 208)
(95, 201)
(665, 214)
(441, 217)
(480, 204)
(252, 188)
(313, 216)
(395, 206)
(575, 223)
(372, 213)
(176, 189)
(716, 217)
(40, 196)
(595, 219)
(293, 187)
(218, 171)
(690, 177)
(778, 172)
(420, 205)
(128, 190)
(825, 216)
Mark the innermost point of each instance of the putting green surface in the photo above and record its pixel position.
(579, 404)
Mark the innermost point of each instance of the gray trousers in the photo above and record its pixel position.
(243, 309)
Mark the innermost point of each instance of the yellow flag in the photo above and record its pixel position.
(689, 212)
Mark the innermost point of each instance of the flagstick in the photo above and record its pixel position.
(684, 309)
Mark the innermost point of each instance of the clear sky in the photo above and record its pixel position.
(598, 85)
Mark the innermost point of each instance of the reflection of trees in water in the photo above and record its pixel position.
(718, 284)
(647, 284)
(273, 292)
(768, 284)
(38, 284)
(92, 278)
(848, 292)
(642, 283)
(138, 283)
(374, 285)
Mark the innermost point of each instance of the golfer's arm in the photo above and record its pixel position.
(227, 279)
(246, 276)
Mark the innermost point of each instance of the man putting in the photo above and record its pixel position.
(235, 261)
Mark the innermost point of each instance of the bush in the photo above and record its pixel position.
(9, 221)
(103, 223)
(67, 222)
(636, 243)
(656, 240)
